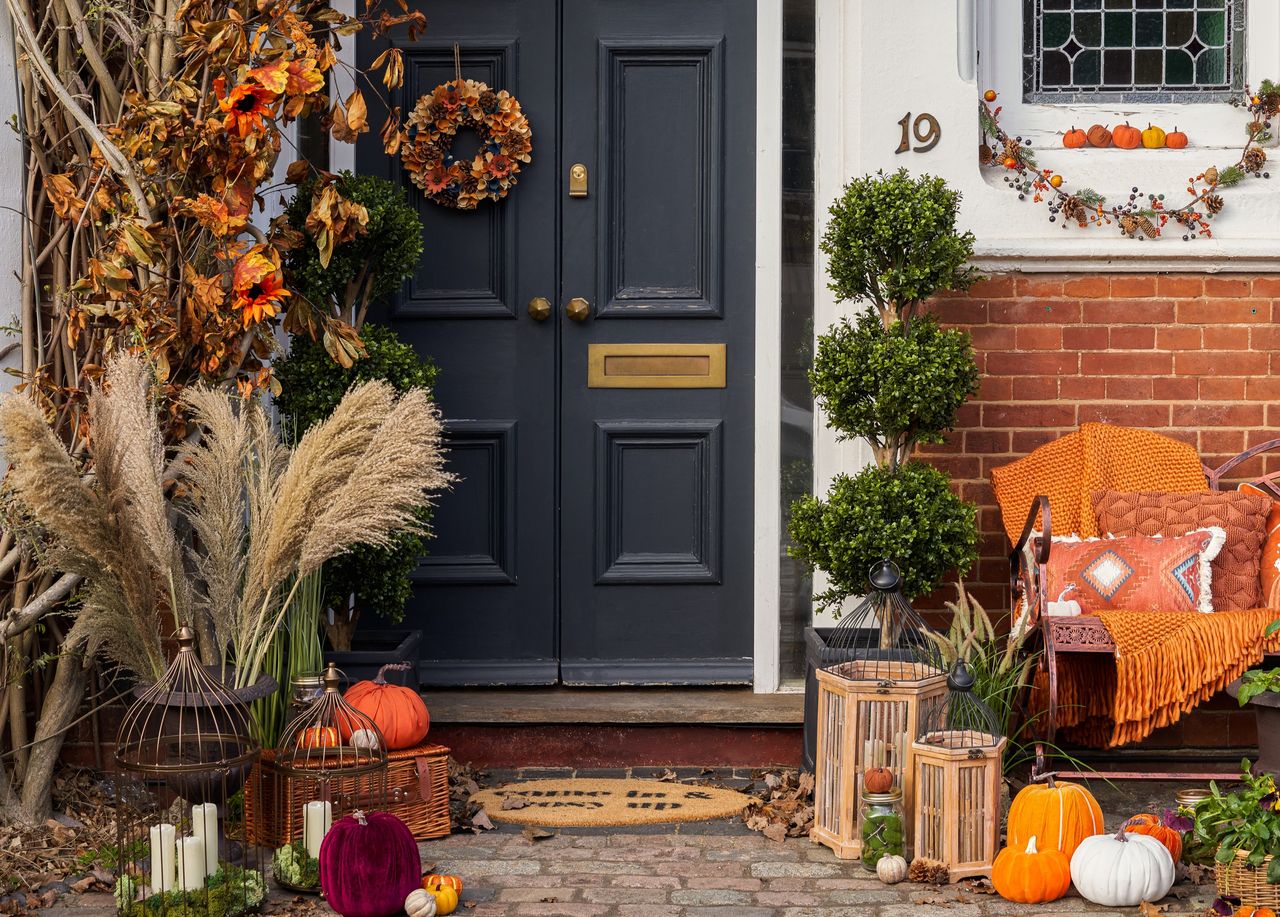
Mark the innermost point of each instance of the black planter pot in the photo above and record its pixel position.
(1266, 708)
(372, 649)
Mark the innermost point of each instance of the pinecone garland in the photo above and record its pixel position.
(1128, 225)
(1254, 158)
(1012, 149)
(1074, 209)
(1211, 175)
(1148, 228)
(1214, 204)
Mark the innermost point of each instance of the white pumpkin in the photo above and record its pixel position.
(1064, 607)
(1122, 870)
(891, 869)
(365, 738)
(420, 903)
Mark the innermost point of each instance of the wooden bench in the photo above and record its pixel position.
(1086, 634)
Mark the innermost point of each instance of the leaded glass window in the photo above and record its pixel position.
(1132, 50)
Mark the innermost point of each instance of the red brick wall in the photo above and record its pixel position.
(1194, 356)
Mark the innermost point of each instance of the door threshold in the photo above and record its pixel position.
(622, 706)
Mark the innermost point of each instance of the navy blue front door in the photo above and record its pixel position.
(602, 532)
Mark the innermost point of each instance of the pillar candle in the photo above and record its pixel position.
(317, 818)
(164, 864)
(204, 825)
(191, 872)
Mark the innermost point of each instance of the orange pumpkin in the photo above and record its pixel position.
(1175, 139)
(1060, 814)
(398, 711)
(1099, 136)
(1250, 911)
(1126, 136)
(435, 878)
(320, 737)
(1030, 875)
(1154, 826)
(1074, 138)
(877, 780)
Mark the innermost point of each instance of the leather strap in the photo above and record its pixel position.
(424, 779)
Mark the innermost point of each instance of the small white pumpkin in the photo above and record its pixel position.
(1063, 607)
(1122, 870)
(364, 738)
(420, 903)
(891, 869)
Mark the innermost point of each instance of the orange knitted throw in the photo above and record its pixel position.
(1165, 663)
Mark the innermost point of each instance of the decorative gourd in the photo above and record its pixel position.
(446, 897)
(1074, 138)
(436, 878)
(365, 738)
(398, 711)
(878, 780)
(1126, 136)
(1249, 911)
(1059, 814)
(891, 869)
(1062, 607)
(1153, 137)
(369, 864)
(1030, 875)
(1155, 826)
(1122, 869)
(1099, 136)
(1175, 139)
(320, 737)
(420, 903)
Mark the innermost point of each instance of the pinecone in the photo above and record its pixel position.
(1012, 148)
(1128, 225)
(1148, 228)
(1074, 209)
(985, 155)
(488, 100)
(929, 872)
(1211, 175)
(1254, 158)
(1214, 204)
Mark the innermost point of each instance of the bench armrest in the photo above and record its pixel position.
(1019, 576)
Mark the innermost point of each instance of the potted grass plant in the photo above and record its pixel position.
(894, 377)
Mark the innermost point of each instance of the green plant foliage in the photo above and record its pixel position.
(1248, 820)
(228, 892)
(905, 380)
(892, 239)
(909, 515)
(388, 250)
(294, 865)
(312, 385)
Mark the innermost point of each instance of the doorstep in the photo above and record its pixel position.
(618, 727)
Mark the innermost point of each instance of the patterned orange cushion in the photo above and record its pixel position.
(1134, 573)
(1269, 576)
(1243, 516)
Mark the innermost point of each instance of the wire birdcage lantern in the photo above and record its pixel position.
(959, 754)
(183, 752)
(869, 708)
(330, 761)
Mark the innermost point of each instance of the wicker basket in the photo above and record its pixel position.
(1249, 884)
(417, 794)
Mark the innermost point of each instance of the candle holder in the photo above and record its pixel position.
(182, 755)
(331, 760)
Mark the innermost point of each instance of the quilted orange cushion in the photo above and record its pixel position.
(1269, 576)
(1134, 573)
(1242, 515)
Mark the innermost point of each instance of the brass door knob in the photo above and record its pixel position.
(578, 309)
(540, 308)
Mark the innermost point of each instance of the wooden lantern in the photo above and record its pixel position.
(958, 756)
(868, 714)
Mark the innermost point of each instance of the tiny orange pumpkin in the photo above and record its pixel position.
(436, 878)
(878, 780)
(1126, 136)
(320, 737)
(1074, 138)
(1249, 911)
(1099, 136)
(1175, 139)
(1154, 826)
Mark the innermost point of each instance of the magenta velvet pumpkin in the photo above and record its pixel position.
(368, 865)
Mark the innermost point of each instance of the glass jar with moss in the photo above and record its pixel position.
(881, 827)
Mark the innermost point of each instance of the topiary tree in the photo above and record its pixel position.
(312, 385)
(892, 240)
(895, 386)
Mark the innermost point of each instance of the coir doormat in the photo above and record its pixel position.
(602, 802)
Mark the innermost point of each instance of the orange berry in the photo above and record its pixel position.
(989, 95)
(1056, 181)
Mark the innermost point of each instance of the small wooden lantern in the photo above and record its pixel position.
(870, 709)
(958, 755)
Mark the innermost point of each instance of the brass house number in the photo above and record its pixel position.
(925, 129)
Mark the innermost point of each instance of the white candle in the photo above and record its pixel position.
(164, 864)
(317, 818)
(191, 874)
(204, 825)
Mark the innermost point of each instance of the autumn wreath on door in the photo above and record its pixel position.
(453, 107)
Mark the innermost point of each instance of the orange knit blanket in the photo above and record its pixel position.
(1165, 663)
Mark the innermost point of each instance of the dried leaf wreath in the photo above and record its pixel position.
(505, 143)
(1142, 215)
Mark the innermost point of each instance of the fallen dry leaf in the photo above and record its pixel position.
(1147, 909)
(514, 802)
(532, 834)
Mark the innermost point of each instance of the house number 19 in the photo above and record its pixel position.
(926, 130)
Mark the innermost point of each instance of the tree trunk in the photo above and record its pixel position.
(61, 704)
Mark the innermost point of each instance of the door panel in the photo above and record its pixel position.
(485, 596)
(658, 102)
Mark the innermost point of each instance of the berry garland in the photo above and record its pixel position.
(1141, 216)
(505, 143)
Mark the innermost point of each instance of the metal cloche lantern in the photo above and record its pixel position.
(869, 709)
(183, 753)
(959, 752)
(330, 761)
